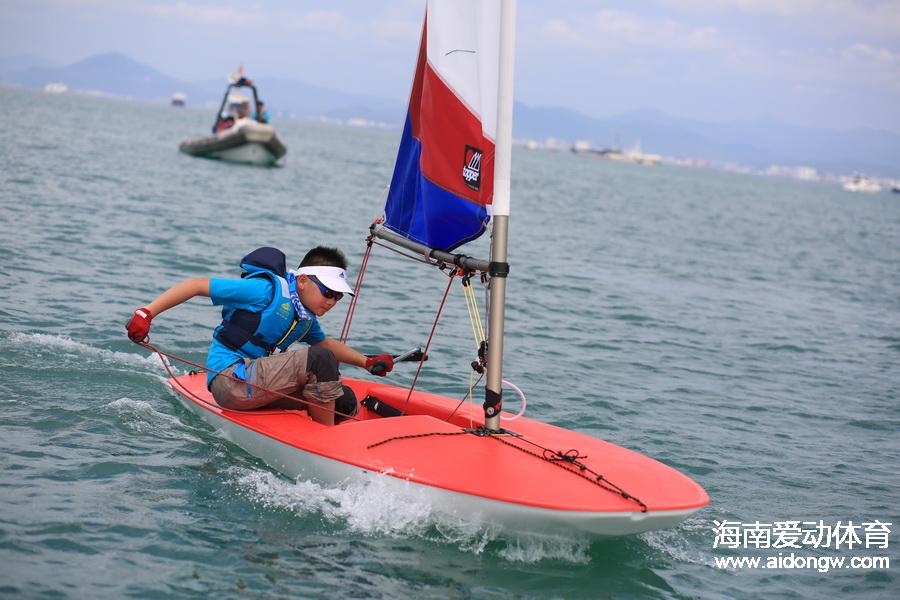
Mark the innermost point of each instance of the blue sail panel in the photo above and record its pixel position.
(424, 212)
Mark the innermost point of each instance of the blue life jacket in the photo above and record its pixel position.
(257, 334)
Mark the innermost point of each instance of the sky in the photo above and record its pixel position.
(821, 63)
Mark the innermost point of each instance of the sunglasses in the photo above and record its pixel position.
(328, 293)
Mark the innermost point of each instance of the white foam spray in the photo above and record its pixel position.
(66, 349)
(374, 506)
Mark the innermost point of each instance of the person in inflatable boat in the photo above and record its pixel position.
(261, 115)
(263, 313)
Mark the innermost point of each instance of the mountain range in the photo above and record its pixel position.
(756, 143)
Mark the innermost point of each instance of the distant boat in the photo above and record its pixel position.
(860, 183)
(235, 136)
(896, 188)
(178, 99)
(56, 88)
(632, 155)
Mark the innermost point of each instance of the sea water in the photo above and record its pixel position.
(744, 330)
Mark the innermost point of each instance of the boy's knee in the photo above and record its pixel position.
(346, 406)
(322, 362)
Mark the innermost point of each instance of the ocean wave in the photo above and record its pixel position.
(62, 346)
(679, 543)
(141, 416)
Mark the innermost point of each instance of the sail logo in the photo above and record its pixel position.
(471, 170)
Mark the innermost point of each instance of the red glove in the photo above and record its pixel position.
(380, 365)
(139, 325)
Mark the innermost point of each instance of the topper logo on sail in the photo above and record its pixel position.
(471, 171)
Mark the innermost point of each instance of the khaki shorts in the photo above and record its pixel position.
(284, 373)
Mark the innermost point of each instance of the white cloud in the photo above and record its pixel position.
(613, 29)
(223, 13)
(396, 29)
(869, 54)
(321, 21)
(650, 46)
(239, 16)
(339, 25)
(880, 17)
(868, 63)
(860, 66)
(779, 8)
(235, 13)
(565, 35)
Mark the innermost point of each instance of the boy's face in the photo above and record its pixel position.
(312, 298)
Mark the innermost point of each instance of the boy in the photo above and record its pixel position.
(269, 309)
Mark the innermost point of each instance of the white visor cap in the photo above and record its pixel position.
(334, 278)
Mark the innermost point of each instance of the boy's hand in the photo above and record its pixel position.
(380, 365)
(139, 325)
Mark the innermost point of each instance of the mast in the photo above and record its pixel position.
(499, 268)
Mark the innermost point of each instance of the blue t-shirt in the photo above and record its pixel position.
(255, 294)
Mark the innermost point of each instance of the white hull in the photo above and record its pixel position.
(247, 142)
(253, 153)
(863, 185)
(299, 464)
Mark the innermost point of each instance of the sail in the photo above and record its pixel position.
(443, 181)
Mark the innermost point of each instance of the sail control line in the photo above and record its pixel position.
(477, 328)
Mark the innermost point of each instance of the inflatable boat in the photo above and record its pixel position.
(247, 141)
(237, 136)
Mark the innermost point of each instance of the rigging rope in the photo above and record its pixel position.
(481, 346)
(430, 337)
(345, 331)
(466, 397)
(479, 338)
(475, 321)
(472, 308)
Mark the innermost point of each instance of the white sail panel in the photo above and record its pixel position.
(464, 50)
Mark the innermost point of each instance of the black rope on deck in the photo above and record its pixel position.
(416, 435)
(563, 460)
(570, 457)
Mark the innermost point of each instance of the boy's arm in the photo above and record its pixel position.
(344, 353)
(181, 292)
(379, 365)
(139, 325)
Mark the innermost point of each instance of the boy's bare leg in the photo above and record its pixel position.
(321, 412)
